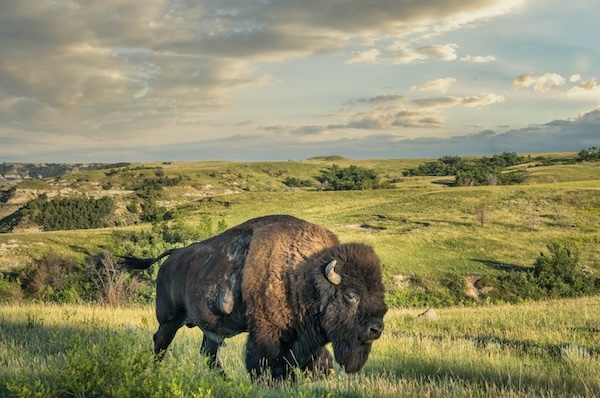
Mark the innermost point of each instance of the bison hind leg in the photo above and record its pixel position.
(164, 336)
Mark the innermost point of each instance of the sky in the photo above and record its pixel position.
(243, 80)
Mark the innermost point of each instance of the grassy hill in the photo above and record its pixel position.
(423, 227)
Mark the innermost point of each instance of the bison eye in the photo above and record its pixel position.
(351, 298)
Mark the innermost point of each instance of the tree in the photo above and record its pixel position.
(351, 178)
(109, 280)
(481, 213)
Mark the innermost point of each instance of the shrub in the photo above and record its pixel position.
(351, 178)
(10, 291)
(54, 278)
(560, 274)
(69, 213)
(589, 154)
(484, 171)
(556, 274)
(294, 182)
(426, 293)
(103, 363)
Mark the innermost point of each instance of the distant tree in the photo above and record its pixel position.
(297, 182)
(69, 213)
(352, 178)
(151, 212)
(589, 154)
(481, 213)
(484, 171)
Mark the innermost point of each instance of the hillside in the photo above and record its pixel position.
(181, 182)
(423, 229)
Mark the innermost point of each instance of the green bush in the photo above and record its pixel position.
(555, 274)
(98, 278)
(55, 278)
(449, 291)
(351, 178)
(294, 182)
(104, 363)
(484, 171)
(590, 154)
(68, 213)
(10, 291)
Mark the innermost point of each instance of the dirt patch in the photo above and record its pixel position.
(473, 289)
(401, 281)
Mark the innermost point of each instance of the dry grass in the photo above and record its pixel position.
(539, 349)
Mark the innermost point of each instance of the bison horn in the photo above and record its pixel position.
(331, 275)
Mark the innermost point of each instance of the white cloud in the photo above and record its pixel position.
(482, 100)
(110, 66)
(540, 84)
(479, 59)
(575, 78)
(441, 85)
(588, 90)
(397, 53)
(367, 56)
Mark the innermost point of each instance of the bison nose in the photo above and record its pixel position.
(375, 330)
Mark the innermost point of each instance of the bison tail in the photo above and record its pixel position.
(132, 262)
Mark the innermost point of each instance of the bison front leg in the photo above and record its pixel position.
(320, 364)
(209, 348)
(263, 358)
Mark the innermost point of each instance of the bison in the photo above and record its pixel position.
(289, 283)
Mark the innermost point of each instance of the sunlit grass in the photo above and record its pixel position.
(537, 349)
(417, 229)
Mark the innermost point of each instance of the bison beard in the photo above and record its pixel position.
(352, 357)
(290, 284)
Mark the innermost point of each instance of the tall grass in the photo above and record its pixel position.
(549, 349)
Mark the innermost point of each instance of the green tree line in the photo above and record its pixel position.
(69, 213)
(590, 154)
(337, 178)
(484, 171)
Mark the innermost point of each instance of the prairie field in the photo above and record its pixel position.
(544, 349)
(423, 228)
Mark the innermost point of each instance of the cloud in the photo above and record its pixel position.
(482, 100)
(540, 84)
(128, 65)
(399, 54)
(587, 90)
(273, 144)
(366, 56)
(381, 99)
(479, 59)
(575, 78)
(394, 112)
(441, 85)
(555, 136)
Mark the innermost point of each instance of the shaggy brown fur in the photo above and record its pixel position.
(267, 276)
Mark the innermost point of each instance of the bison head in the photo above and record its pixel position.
(352, 306)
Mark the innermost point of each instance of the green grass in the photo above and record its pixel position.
(528, 350)
(420, 228)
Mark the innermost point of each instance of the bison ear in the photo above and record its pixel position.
(331, 275)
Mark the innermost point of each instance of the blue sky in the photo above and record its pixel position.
(141, 80)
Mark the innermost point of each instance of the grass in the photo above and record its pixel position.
(420, 228)
(547, 349)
